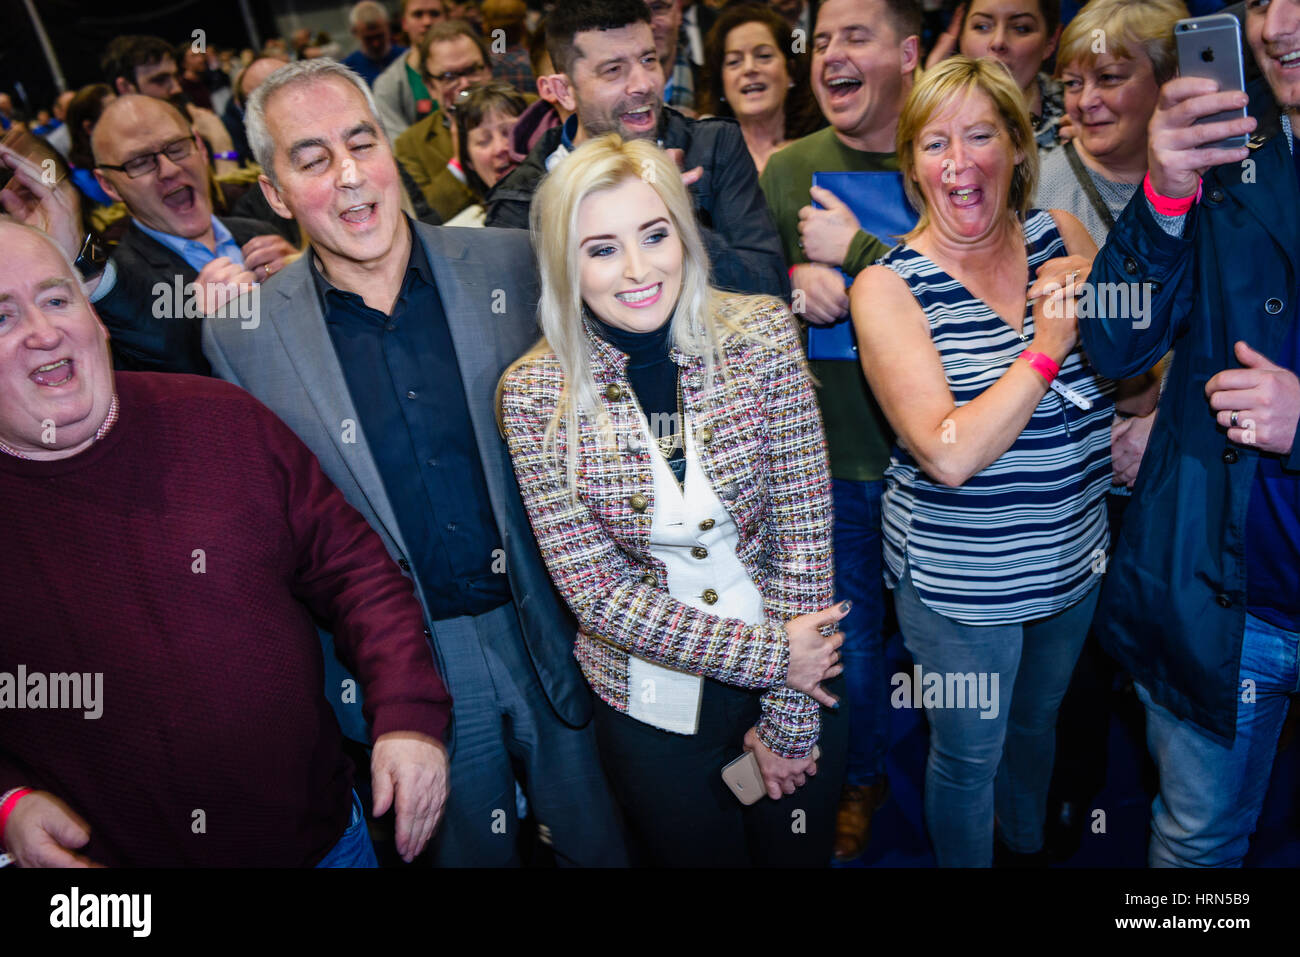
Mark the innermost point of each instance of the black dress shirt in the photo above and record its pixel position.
(402, 373)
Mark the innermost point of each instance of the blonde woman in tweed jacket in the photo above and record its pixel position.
(696, 560)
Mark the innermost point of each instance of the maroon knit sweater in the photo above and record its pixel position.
(213, 682)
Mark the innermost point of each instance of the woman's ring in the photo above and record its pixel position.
(1232, 419)
(1069, 280)
(267, 267)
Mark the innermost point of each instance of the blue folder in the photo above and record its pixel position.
(882, 209)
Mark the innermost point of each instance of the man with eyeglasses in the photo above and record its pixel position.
(149, 158)
(145, 65)
(454, 58)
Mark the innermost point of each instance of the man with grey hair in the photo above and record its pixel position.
(381, 347)
(368, 21)
(203, 540)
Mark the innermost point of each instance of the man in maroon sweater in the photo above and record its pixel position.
(168, 545)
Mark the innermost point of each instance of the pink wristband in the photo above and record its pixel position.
(7, 806)
(1041, 363)
(1167, 205)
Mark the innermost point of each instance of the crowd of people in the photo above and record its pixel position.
(305, 524)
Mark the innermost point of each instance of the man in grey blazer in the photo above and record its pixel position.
(381, 348)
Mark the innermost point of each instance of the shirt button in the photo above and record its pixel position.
(706, 435)
(432, 463)
(729, 492)
(699, 552)
(612, 392)
(706, 524)
(428, 633)
(710, 596)
(1130, 265)
(403, 564)
(1223, 600)
(638, 502)
(648, 579)
(1216, 195)
(390, 327)
(633, 443)
(451, 526)
(1273, 306)
(1229, 456)
(411, 394)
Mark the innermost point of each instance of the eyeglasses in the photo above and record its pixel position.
(451, 76)
(138, 166)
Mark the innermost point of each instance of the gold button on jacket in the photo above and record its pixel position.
(638, 502)
(710, 596)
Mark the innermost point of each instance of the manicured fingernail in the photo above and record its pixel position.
(845, 606)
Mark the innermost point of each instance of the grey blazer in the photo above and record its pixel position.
(487, 279)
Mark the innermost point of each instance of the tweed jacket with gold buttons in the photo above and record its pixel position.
(760, 442)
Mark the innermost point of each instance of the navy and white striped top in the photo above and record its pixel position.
(1025, 537)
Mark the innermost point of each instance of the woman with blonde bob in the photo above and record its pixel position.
(1111, 89)
(994, 521)
(670, 456)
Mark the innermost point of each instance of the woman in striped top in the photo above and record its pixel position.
(994, 521)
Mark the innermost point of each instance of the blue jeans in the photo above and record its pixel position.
(1210, 793)
(999, 755)
(354, 848)
(859, 569)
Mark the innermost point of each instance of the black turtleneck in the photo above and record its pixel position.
(652, 375)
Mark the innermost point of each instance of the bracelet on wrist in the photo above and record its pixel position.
(1170, 205)
(1042, 363)
(8, 801)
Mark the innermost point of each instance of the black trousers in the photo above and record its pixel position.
(680, 813)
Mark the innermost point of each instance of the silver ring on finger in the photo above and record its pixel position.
(1232, 420)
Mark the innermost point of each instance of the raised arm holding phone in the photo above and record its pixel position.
(1201, 599)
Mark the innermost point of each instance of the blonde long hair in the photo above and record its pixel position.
(702, 320)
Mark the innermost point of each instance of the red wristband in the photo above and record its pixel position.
(790, 272)
(1168, 205)
(1042, 363)
(7, 807)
